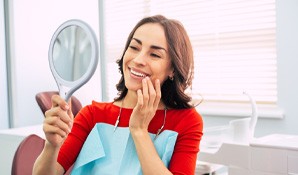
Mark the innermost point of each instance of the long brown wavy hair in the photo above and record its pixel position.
(181, 55)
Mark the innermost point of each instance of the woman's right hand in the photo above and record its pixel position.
(58, 121)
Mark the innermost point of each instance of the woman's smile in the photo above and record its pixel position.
(137, 74)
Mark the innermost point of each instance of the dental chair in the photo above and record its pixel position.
(26, 154)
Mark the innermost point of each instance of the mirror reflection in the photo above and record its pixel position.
(72, 48)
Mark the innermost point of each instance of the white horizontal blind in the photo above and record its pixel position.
(233, 40)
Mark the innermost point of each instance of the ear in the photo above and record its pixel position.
(172, 73)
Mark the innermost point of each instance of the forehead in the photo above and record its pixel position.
(152, 34)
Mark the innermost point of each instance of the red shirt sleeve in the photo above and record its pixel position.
(76, 138)
(189, 130)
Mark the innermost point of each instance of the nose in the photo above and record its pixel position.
(140, 58)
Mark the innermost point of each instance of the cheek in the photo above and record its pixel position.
(128, 56)
(160, 74)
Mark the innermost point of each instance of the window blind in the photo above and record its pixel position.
(233, 40)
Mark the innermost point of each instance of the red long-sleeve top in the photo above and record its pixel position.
(186, 122)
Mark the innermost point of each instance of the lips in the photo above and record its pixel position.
(138, 73)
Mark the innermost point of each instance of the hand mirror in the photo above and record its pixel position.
(73, 56)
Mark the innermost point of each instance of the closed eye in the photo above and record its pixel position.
(155, 55)
(133, 47)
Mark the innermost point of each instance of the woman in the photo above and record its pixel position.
(150, 128)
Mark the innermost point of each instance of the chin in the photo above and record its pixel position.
(134, 87)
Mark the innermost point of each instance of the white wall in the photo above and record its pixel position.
(287, 60)
(32, 24)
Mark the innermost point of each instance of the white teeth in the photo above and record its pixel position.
(137, 73)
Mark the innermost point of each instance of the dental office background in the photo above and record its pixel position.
(238, 46)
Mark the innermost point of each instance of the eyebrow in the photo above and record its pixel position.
(152, 46)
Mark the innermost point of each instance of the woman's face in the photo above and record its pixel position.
(146, 56)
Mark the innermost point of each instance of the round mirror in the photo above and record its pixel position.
(73, 56)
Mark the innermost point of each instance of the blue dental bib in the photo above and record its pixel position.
(106, 152)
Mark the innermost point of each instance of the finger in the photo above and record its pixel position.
(56, 121)
(58, 101)
(158, 93)
(145, 92)
(140, 102)
(69, 112)
(152, 93)
(58, 112)
(50, 129)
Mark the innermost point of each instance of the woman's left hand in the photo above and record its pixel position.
(147, 104)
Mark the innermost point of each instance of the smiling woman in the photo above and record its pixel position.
(150, 128)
